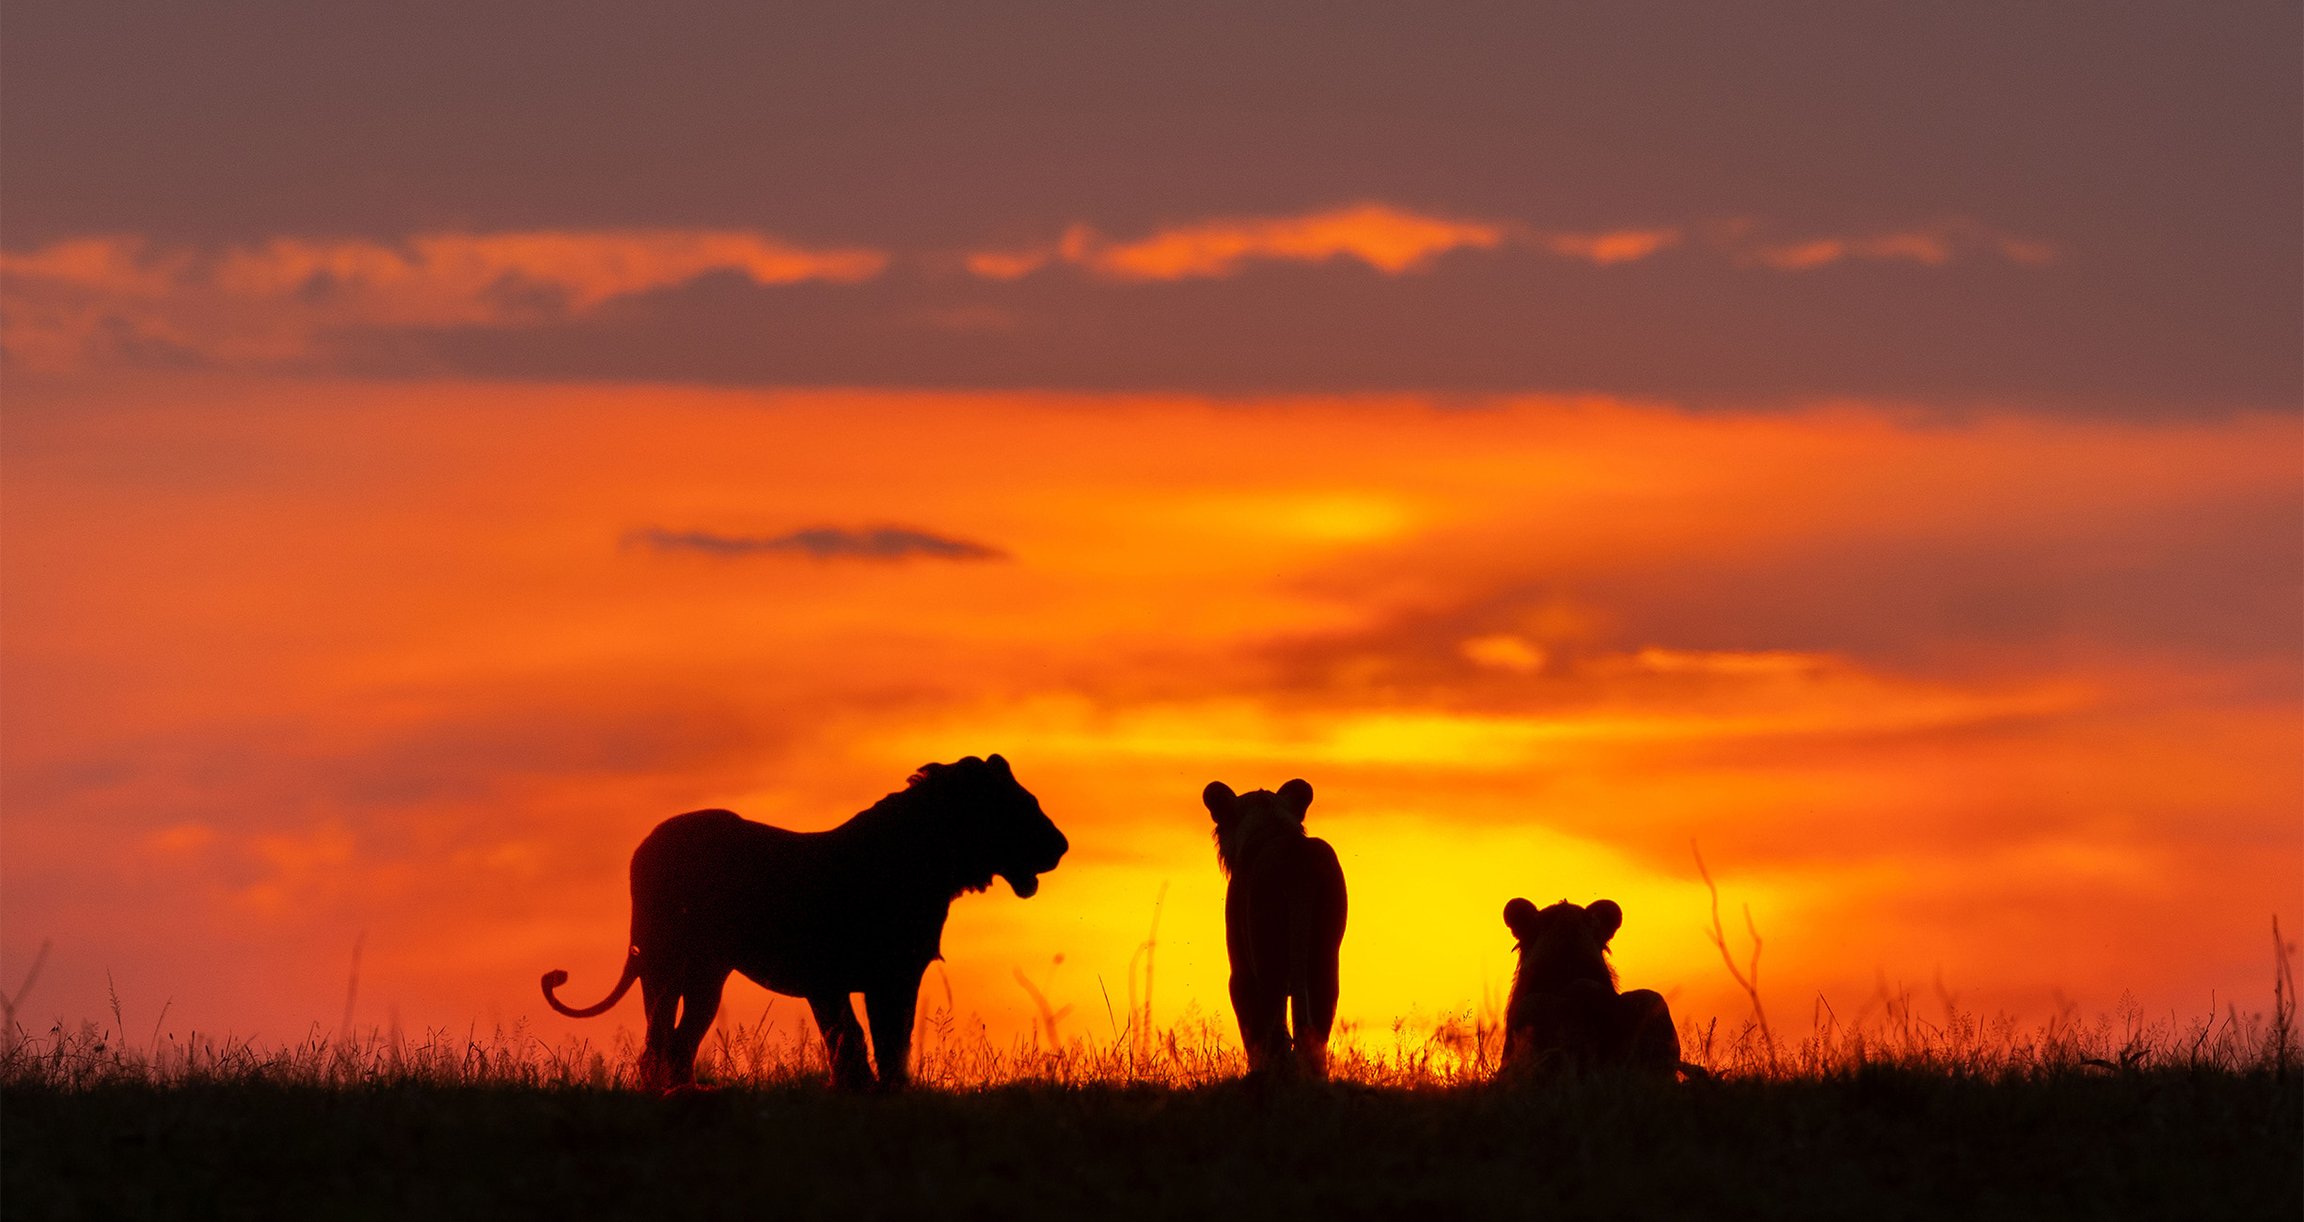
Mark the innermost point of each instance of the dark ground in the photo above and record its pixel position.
(1888, 1144)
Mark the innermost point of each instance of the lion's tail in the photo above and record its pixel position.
(555, 978)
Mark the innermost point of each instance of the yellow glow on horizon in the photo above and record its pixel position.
(1238, 729)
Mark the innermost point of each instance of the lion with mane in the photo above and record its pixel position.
(819, 915)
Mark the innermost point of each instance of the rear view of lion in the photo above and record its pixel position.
(1565, 1012)
(1283, 924)
(819, 915)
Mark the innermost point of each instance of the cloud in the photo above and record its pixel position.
(1728, 662)
(1395, 241)
(125, 298)
(1933, 245)
(1388, 239)
(1609, 246)
(885, 543)
(1007, 264)
(1708, 312)
(1504, 651)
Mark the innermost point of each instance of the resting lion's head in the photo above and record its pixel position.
(1564, 942)
(991, 826)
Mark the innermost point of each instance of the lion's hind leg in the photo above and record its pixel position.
(1314, 1013)
(680, 1006)
(1651, 1044)
(699, 1004)
(1263, 1013)
(660, 1001)
(843, 1040)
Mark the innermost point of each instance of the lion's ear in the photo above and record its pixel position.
(1000, 765)
(1520, 917)
(1296, 798)
(1218, 798)
(1606, 919)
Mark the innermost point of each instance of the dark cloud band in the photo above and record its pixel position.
(881, 543)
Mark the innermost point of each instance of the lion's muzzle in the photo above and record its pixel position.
(1026, 882)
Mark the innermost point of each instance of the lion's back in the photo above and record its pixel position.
(699, 837)
(1291, 899)
(1319, 885)
(704, 856)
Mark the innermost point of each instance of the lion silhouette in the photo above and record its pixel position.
(819, 915)
(1283, 924)
(1565, 1012)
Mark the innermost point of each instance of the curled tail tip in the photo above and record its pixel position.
(554, 979)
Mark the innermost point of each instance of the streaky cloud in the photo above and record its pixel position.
(1395, 241)
(1930, 245)
(874, 543)
(102, 298)
(1387, 239)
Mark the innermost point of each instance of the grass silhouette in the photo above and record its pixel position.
(1887, 1114)
(2111, 1118)
(958, 1054)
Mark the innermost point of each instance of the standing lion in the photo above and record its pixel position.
(1283, 925)
(819, 915)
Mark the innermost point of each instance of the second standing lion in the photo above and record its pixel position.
(1283, 925)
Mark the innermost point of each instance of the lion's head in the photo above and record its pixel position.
(1247, 822)
(992, 826)
(1563, 942)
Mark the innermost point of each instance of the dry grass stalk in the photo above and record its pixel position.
(9, 1001)
(2283, 1002)
(1048, 1018)
(1140, 1016)
(1747, 979)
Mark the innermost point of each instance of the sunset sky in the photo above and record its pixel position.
(442, 441)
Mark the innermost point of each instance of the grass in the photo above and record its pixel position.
(1887, 1114)
(1880, 1142)
(1895, 1116)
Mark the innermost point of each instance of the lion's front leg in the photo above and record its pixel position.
(889, 1009)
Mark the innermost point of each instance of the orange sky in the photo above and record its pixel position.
(1859, 441)
(2004, 700)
